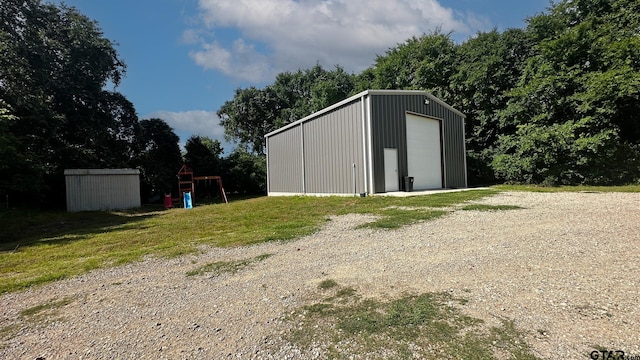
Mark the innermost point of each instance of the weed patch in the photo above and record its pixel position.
(414, 326)
(220, 267)
(39, 315)
(53, 305)
(327, 284)
(396, 218)
(8, 331)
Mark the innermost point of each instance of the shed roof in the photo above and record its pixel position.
(101, 171)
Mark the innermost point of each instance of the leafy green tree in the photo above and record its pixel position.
(204, 156)
(249, 116)
(255, 112)
(16, 173)
(584, 84)
(304, 92)
(364, 81)
(158, 157)
(100, 137)
(487, 67)
(421, 63)
(54, 68)
(246, 172)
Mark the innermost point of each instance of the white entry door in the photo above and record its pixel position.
(424, 154)
(391, 179)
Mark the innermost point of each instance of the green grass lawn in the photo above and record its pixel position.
(40, 247)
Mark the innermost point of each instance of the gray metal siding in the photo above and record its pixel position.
(316, 154)
(388, 129)
(285, 161)
(333, 143)
(102, 189)
(388, 122)
(454, 149)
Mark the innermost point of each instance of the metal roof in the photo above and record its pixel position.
(101, 171)
(360, 95)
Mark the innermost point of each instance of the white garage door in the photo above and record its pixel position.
(424, 154)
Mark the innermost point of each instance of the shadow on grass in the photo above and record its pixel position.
(23, 228)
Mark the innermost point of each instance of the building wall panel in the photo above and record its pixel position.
(285, 161)
(102, 189)
(388, 114)
(333, 144)
(454, 147)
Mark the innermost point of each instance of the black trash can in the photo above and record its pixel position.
(408, 183)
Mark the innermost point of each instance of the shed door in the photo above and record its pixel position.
(424, 152)
(391, 179)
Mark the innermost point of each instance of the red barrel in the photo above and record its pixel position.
(168, 203)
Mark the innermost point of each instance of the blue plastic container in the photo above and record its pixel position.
(187, 200)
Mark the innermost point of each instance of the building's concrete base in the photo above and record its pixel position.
(425, 192)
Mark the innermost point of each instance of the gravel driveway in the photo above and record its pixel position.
(565, 269)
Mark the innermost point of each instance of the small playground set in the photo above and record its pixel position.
(189, 184)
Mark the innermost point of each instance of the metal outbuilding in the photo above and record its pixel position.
(370, 143)
(102, 189)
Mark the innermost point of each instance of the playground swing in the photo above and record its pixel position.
(187, 183)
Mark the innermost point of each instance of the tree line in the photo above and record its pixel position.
(57, 112)
(553, 103)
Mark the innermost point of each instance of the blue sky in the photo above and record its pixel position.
(185, 58)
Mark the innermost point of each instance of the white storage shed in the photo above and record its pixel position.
(102, 189)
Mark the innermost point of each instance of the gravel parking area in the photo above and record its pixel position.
(565, 269)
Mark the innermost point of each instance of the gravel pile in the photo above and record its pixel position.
(565, 269)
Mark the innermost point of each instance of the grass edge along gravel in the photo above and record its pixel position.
(577, 188)
(221, 267)
(46, 247)
(485, 207)
(43, 247)
(38, 315)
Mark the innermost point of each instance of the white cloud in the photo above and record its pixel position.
(194, 122)
(242, 60)
(191, 36)
(477, 21)
(295, 34)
